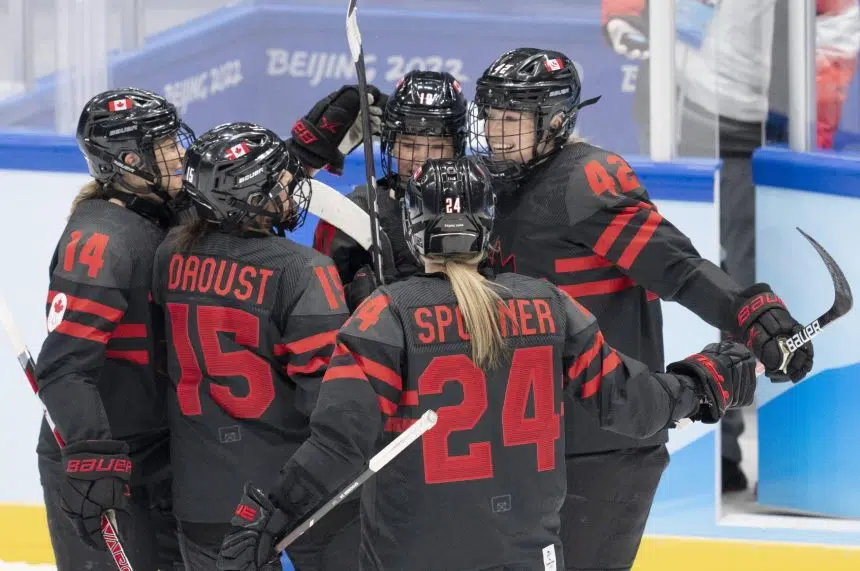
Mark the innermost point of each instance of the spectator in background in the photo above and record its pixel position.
(723, 68)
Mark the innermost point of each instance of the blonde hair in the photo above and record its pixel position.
(479, 306)
(93, 189)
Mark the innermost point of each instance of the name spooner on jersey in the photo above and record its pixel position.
(226, 278)
(517, 317)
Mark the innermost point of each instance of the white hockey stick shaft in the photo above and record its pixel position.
(25, 359)
(383, 457)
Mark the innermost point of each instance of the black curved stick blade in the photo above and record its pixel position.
(843, 300)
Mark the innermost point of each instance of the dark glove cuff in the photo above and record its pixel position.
(95, 459)
(698, 378)
(754, 301)
(297, 494)
(308, 144)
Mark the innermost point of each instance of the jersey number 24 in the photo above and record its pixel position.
(531, 374)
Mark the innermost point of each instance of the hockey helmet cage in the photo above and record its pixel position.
(545, 83)
(232, 174)
(424, 103)
(123, 131)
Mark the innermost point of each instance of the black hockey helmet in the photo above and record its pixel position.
(424, 103)
(133, 131)
(449, 208)
(233, 172)
(544, 83)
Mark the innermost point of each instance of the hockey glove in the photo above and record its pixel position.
(362, 285)
(724, 376)
(255, 529)
(97, 476)
(333, 128)
(763, 321)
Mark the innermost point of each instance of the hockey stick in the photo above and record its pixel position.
(330, 205)
(353, 36)
(25, 359)
(843, 300)
(383, 457)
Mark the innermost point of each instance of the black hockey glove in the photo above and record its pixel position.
(333, 128)
(256, 527)
(97, 476)
(763, 321)
(724, 376)
(362, 285)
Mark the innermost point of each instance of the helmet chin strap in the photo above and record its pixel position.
(154, 211)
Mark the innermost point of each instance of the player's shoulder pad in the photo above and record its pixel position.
(375, 320)
(599, 179)
(97, 252)
(578, 318)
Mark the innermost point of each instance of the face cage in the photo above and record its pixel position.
(162, 165)
(390, 161)
(516, 151)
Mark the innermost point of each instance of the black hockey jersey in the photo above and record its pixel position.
(584, 222)
(483, 488)
(251, 323)
(349, 256)
(100, 370)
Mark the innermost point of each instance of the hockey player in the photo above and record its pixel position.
(251, 319)
(484, 487)
(424, 118)
(578, 216)
(99, 370)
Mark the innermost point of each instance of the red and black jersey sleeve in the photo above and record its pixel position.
(619, 391)
(89, 292)
(613, 216)
(359, 393)
(309, 330)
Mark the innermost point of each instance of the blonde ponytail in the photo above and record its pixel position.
(92, 189)
(479, 306)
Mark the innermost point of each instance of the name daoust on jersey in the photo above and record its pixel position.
(225, 278)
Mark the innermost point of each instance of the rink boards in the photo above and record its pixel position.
(41, 175)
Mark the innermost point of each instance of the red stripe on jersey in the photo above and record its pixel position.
(139, 357)
(82, 332)
(584, 360)
(611, 233)
(323, 236)
(306, 345)
(386, 406)
(312, 366)
(590, 387)
(651, 296)
(409, 398)
(330, 294)
(129, 331)
(640, 240)
(600, 287)
(344, 372)
(568, 265)
(395, 424)
(88, 306)
(379, 371)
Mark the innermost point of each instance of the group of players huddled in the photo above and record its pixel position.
(197, 358)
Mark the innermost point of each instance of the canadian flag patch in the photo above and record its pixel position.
(457, 87)
(237, 151)
(120, 104)
(554, 64)
(58, 309)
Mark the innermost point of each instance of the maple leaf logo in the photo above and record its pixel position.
(59, 306)
(497, 259)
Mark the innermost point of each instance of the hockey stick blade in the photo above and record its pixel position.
(25, 359)
(843, 301)
(353, 36)
(330, 205)
(383, 457)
